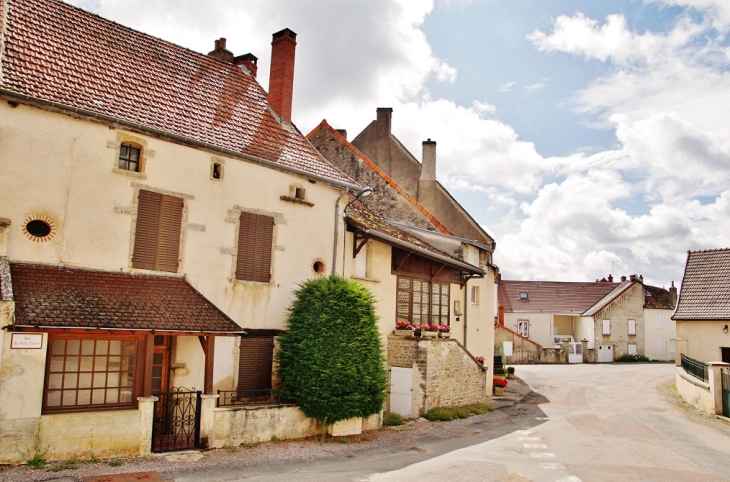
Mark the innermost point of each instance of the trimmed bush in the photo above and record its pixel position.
(445, 414)
(391, 419)
(331, 358)
(632, 358)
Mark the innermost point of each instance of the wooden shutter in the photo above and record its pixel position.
(157, 236)
(256, 359)
(168, 234)
(255, 240)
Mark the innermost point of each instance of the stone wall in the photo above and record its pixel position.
(446, 374)
(628, 305)
(523, 351)
(385, 200)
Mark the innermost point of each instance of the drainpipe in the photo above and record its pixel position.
(466, 308)
(337, 229)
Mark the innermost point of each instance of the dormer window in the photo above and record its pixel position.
(523, 295)
(129, 157)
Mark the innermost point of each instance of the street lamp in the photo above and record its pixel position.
(363, 193)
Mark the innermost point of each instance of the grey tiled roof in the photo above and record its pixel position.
(705, 293)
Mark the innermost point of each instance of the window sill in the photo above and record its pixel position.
(371, 280)
(135, 175)
(250, 282)
(296, 201)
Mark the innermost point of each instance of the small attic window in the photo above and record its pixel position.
(129, 156)
(523, 295)
(217, 171)
(300, 193)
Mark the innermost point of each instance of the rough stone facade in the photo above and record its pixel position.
(385, 200)
(627, 306)
(447, 375)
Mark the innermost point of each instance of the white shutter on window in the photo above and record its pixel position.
(606, 327)
(632, 327)
(632, 349)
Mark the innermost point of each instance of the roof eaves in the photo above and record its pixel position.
(325, 125)
(609, 298)
(472, 242)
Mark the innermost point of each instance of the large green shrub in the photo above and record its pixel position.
(330, 358)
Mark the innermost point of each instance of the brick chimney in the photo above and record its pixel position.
(383, 119)
(610, 278)
(428, 161)
(500, 315)
(623, 278)
(281, 77)
(249, 61)
(220, 52)
(673, 295)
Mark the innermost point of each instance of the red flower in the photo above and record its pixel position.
(499, 382)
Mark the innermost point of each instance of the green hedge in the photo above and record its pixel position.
(330, 358)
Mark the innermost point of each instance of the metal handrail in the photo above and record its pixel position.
(695, 368)
(232, 398)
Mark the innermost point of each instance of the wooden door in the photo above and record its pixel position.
(161, 364)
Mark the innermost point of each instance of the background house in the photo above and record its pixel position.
(703, 337)
(468, 306)
(660, 328)
(158, 209)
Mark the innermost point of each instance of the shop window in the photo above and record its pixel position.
(90, 373)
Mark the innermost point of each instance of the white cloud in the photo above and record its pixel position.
(717, 11)
(506, 87)
(534, 88)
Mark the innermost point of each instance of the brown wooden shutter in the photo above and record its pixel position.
(168, 234)
(255, 365)
(157, 236)
(255, 239)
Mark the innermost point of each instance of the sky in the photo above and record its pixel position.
(586, 137)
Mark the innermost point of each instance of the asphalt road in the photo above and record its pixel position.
(612, 422)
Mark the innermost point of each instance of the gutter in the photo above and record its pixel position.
(175, 137)
(425, 252)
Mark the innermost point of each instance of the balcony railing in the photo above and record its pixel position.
(695, 368)
(232, 398)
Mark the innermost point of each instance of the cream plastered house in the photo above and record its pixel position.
(660, 328)
(158, 208)
(702, 373)
(466, 293)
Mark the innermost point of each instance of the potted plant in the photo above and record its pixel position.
(510, 372)
(480, 359)
(444, 331)
(429, 330)
(417, 330)
(499, 385)
(403, 328)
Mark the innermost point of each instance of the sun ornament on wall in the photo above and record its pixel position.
(39, 228)
(319, 267)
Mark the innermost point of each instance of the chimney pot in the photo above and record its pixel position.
(249, 61)
(632, 277)
(623, 278)
(610, 278)
(428, 161)
(281, 77)
(220, 51)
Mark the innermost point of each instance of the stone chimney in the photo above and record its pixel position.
(428, 161)
(220, 52)
(281, 77)
(249, 61)
(623, 278)
(342, 132)
(632, 278)
(610, 278)
(383, 118)
(673, 295)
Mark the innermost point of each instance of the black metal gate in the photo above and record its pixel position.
(177, 420)
(725, 392)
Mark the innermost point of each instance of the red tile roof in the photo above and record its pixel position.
(551, 296)
(705, 293)
(609, 298)
(325, 125)
(62, 54)
(51, 296)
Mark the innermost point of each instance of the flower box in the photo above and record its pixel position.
(398, 332)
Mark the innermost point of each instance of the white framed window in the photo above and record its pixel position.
(632, 348)
(632, 327)
(606, 326)
(474, 295)
(523, 328)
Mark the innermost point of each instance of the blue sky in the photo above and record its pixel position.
(577, 132)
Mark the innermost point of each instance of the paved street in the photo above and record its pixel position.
(605, 423)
